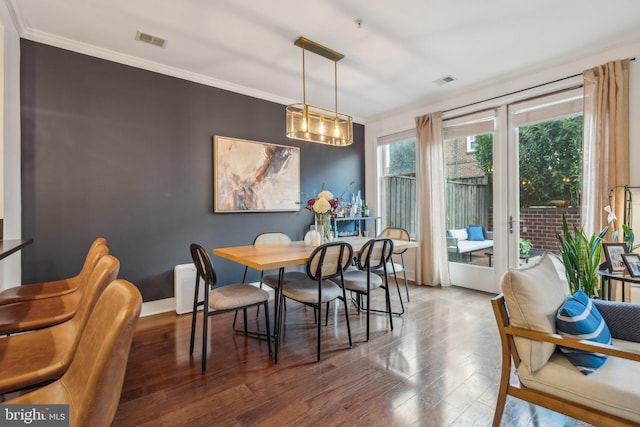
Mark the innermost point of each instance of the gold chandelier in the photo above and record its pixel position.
(314, 124)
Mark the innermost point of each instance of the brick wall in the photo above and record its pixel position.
(540, 225)
(461, 163)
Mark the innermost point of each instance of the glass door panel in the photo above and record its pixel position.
(469, 200)
(545, 173)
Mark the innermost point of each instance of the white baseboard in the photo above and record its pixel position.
(150, 308)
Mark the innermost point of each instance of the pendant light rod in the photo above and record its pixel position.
(304, 86)
(335, 86)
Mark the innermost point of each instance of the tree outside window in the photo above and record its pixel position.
(550, 162)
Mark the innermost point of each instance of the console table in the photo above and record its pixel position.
(359, 220)
(606, 279)
(7, 247)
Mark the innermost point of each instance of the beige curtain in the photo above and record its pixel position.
(432, 267)
(605, 142)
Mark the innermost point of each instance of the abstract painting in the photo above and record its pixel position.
(254, 176)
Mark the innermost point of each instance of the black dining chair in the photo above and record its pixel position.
(395, 233)
(374, 256)
(271, 280)
(322, 285)
(221, 299)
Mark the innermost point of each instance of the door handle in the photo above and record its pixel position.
(511, 221)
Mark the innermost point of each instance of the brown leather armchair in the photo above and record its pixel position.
(93, 383)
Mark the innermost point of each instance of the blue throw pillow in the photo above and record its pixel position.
(475, 232)
(580, 319)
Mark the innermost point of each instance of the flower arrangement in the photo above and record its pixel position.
(324, 205)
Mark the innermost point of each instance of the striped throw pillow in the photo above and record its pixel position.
(580, 319)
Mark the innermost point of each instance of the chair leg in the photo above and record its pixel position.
(319, 322)
(504, 386)
(193, 316)
(244, 314)
(395, 276)
(235, 317)
(368, 305)
(346, 315)
(205, 324)
(389, 304)
(268, 327)
(326, 316)
(277, 332)
(404, 273)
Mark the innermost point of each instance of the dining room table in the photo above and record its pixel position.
(282, 255)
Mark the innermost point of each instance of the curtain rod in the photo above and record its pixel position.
(516, 91)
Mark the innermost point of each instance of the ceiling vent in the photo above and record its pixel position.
(148, 38)
(444, 80)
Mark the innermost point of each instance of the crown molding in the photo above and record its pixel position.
(110, 55)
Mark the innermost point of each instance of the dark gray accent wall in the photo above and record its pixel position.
(115, 151)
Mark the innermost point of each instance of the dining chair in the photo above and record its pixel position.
(44, 355)
(92, 384)
(221, 299)
(397, 234)
(374, 255)
(29, 315)
(271, 280)
(57, 287)
(322, 285)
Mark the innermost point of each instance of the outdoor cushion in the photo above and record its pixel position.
(460, 234)
(533, 295)
(578, 318)
(476, 233)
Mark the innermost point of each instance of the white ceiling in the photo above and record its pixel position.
(392, 60)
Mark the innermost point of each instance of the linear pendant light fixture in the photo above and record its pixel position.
(314, 124)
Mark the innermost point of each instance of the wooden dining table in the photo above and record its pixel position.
(267, 257)
(282, 255)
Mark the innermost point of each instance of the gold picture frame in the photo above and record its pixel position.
(251, 176)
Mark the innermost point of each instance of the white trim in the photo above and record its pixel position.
(150, 308)
(110, 55)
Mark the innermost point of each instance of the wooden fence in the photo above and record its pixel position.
(400, 202)
(468, 202)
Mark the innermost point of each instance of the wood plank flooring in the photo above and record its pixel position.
(438, 367)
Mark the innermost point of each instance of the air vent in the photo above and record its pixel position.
(148, 38)
(444, 80)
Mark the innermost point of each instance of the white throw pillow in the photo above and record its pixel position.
(533, 295)
(460, 234)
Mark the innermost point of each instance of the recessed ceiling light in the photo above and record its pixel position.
(444, 80)
(148, 38)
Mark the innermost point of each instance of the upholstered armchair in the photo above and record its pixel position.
(530, 313)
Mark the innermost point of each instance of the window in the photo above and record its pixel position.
(471, 144)
(397, 174)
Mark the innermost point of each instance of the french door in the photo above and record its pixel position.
(526, 175)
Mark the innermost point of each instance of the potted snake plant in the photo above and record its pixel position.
(581, 256)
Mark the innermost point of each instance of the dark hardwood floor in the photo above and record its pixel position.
(438, 367)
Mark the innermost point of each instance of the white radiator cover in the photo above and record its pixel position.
(184, 281)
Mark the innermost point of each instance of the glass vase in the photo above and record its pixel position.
(323, 227)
